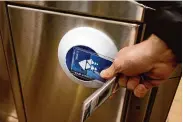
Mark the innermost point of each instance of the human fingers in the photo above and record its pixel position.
(142, 89)
(123, 80)
(133, 82)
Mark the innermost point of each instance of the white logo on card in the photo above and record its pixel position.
(88, 65)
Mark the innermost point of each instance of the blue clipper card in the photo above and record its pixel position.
(87, 65)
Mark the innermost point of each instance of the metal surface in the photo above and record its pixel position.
(6, 98)
(163, 101)
(122, 10)
(154, 107)
(135, 108)
(7, 105)
(49, 95)
(7, 118)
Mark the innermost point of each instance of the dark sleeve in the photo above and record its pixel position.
(166, 23)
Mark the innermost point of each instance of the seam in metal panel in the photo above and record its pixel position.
(16, 64)
(73, 15)
(78, 13)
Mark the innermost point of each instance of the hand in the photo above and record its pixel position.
(151, 57)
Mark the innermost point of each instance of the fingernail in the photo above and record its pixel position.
(122, 82)
(103, 73)
(141, 89)
(139, 95)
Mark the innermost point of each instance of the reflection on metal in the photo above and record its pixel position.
(49, 95)
(135, 107)
(4, 117)
(163, 101)
(122, 10)
(11, 66)
(7, 105)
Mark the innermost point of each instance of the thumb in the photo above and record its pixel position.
(109, 72)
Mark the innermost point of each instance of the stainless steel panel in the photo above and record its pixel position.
(122, 10)
(7, 105)
(135, 108)
(11, 63)
(7, 118)
(154, 107)
(163, 101)
(49, 95)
